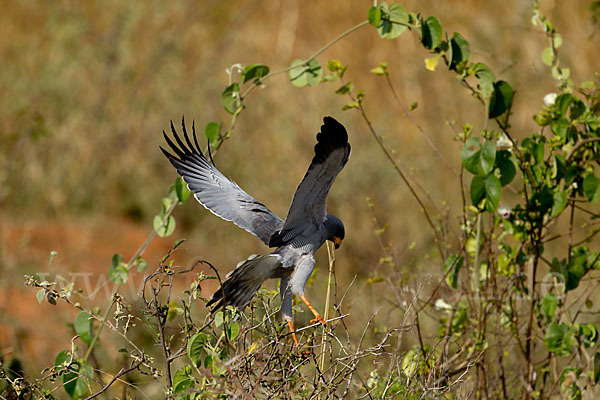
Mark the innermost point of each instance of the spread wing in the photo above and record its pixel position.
(309, 204)
(214, 191)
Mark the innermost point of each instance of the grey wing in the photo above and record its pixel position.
(309, 203)
(215, 192)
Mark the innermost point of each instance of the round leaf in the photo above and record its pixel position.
(493, 189)
(182, 380)
(501, 100)
(231, 98)
(212, 131)
(559, 339)
(393, 21)
(488, 157)
(195, 347)
(164, 228)
(431, 33)
(486, 79)
(305, 73)
(83, 327)
(460, 50)
(549, 304)
(254, 71)
(591, 188)
(559, 203)
(374, 16)
(477, 190)
(182, 190)
(469, 156)
(506, 166)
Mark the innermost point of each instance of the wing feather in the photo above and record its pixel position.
(309, 204)
(215, 192)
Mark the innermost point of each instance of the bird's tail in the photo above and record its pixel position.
(244, 281)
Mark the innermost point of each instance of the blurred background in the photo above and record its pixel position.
(87, 87)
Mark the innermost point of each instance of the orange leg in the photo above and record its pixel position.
(315, 312)
(291, 325)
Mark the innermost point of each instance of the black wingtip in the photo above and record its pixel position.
(333, 136)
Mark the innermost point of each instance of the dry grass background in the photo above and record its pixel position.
(87, 87)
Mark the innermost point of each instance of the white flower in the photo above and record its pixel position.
(549, 99)
(503, 142)
(504, 211)
(440, 304)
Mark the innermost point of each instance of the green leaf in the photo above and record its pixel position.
(254, 71)
(561, 104)
(470, 155)
(305, 73)
(488, 157)
(195, 348)
(506, 166)
(493, 188)
(548, 56)
(40, 295)
(163, 227)
(141, 264)
(181, 189)
(381, 69)
(219, 318)
(578, 107)
(233, 330)
(212, 131)
(501, 100)
(559, 339)
(559, 203)
(230, 98)
(350, 106)
(588, 334)
(591, 187)
(454, 263)
(549, 304)
(347, 88)
(460, 50)
(83, 327)
(374, 16)
(76, 376)
(476, 159)
(477, 190)
(118, 272)
(485, 78)
(116, 260)
(538, 150)
(182, 380)
(393, 21)
(559, 127)
(431, 33)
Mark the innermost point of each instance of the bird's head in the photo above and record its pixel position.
(334, 230)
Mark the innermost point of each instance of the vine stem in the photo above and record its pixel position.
(331, 258)
(390, 157)
(314, 55)
(476, 261)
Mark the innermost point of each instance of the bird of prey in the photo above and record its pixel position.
(306, 228)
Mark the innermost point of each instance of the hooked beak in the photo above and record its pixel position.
(337, 242)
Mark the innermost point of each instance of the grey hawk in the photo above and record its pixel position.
(296, 239)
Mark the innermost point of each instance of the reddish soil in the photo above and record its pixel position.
(37, 332)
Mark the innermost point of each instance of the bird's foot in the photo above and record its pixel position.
(318, 318)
